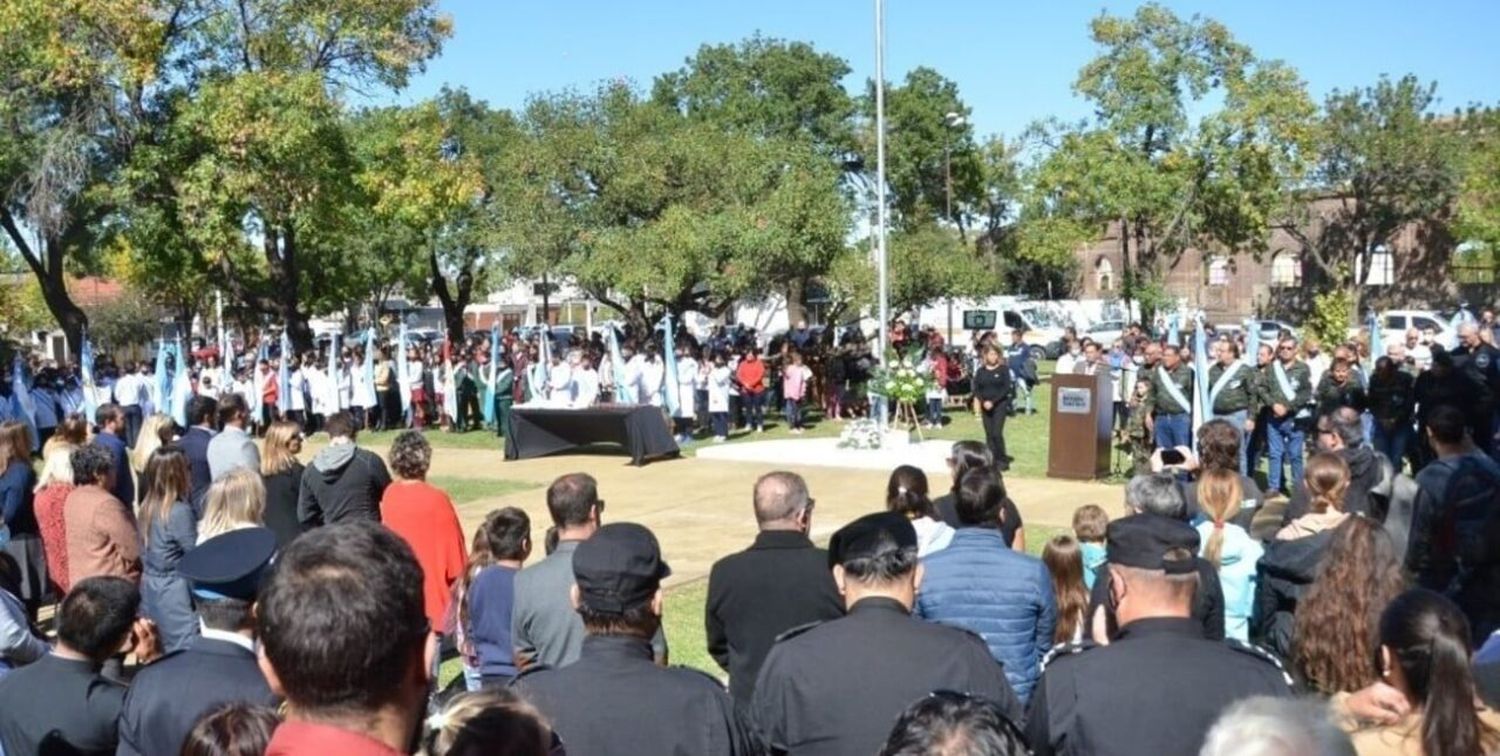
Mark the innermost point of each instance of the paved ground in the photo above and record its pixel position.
(700, 508)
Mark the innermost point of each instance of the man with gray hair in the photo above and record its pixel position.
(781, 582)
(1267, 726)
(1342, 432)
(1158, 495)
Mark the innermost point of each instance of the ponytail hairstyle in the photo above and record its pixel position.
(906, 492)
(1327, 478)
(1219, 494)
(1427, 636)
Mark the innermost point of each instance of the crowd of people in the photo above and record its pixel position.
(211, 594)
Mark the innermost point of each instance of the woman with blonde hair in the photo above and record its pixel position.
(1334, 639)
(169, 531)
(1327, 480)
(20, 536)
(1228, 547)
(156, 431)
(489, 722)
(235, 501)
(52, 489)
(281, 474)
(72, 432)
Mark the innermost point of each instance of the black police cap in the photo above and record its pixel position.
(1144, 541)
(871, 536)
(618, 567)
(230, 565)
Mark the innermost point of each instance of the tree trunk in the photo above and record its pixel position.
(49, 276)
(796, 307)
(454, 302)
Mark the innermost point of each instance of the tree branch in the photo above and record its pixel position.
(16, 237)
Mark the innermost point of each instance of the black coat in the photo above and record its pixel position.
(56, 705)
(615, 699)
(282, 490)
(1157, 689)
(195, 445)
(836, 688)
(782, 581)
(1285, 573)
(167, 697)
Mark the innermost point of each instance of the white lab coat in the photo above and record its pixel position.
(649, 382)
(560, 381)
(363, 388)
(585, 387)
(718, 389)
(687, 381)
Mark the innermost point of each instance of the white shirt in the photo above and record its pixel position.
(687, 377)
(559, 382)
(649, 382)
(718, 389)
(585, 387)
(1421, 355)
(128, 390)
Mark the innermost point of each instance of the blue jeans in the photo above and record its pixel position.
(1287, 441)
(1392, 443)
(792, 410)
(755, 410)
(721, 424)
(935, 411)
(1173, 431)
(1237, 419)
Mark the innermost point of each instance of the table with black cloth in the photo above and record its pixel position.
(640, 429)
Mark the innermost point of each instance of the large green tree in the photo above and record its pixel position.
(1478, 221)
(1383, 165)
(1194, 141)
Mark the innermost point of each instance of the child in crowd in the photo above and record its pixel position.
(491, 596)
(720, 387)
(794, 378)
(1229, 548)
(479, 558)
(233, 729)
(1089, 525)
(491, 723)
(1063, 556)
(1137, 434)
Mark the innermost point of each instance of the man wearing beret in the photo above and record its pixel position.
(837, 687)
(615, 699)
(219, 666)
(1159, 686)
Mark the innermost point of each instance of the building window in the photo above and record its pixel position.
(1218, 271)
(1382, 268)
(1104, 275)
(1286, 270)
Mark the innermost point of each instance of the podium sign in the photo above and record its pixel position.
(1081, 420)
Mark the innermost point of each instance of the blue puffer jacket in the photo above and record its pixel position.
(981, 585)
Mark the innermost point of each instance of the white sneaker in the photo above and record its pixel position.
(719, 439)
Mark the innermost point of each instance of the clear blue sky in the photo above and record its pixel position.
(1014, 60)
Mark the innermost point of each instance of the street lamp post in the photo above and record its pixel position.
(880, 221)
(951, 120)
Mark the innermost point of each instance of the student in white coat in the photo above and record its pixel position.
(720, 380)
(560, 381)
(363, 397)
(653, 374)
(585, 380)
(687, 393)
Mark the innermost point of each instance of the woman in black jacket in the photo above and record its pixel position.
(282, 475)
(994, 390)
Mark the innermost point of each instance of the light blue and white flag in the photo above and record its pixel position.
(86, 376)
(370, 361)
(162, 397)
(1174, 334)
(284, 376)
(669, 385)
(22, 406)
(403, 378)
(624, 392)
(1202, 404)
(1252, 342)
(488, 410)
(182, 386)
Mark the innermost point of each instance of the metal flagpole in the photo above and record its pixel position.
(880, 222)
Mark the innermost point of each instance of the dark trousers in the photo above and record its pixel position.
(390, 410)
(502, 415)
(358, 413)
(993, 420)
(468, 407)
(133, 420)
(299, 417)
(755, 409)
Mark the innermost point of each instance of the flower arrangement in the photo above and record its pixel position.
(860, 434)
(899, 380)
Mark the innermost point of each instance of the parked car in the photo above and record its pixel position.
(1396, 322)
(1106, 332)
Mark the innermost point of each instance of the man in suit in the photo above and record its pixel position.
(201, 411)
(781, 582)
(111, 421)
(60, 703)
(233, 448)
(219, 667)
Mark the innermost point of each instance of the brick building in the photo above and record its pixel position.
(1418, 272)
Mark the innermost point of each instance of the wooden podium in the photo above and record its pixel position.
(1083, 411)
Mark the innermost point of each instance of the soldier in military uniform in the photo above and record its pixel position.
(217, 667)
(1287, 387)
(1160, 685)
(1172, 410)
(836, 687)
(615, 699)
(1233, 392)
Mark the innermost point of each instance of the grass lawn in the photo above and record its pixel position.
(464, 490)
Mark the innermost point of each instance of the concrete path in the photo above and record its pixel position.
(700, 509)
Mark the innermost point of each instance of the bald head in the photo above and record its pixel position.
(779, 498)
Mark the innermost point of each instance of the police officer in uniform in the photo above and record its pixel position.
(1233, 391)
(836, 687)
(615, 699)
(217, 667)
(1160, 685)
(1172, 408)
(1480, 364)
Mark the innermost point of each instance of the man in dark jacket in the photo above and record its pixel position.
(167, 697)
(201, 413)
(837, 687)
(781, 582)
(344, 481)
(1341, 432)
